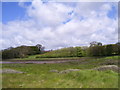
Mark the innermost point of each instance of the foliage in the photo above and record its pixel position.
(96, 49)
(20, 52)
(94, 43)
(109, 50)
(105, 50)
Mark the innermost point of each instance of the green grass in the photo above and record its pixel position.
(39, 75)
(64, 52)
(33, 57)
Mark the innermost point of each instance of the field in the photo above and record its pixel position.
(59, 44)
(78, 74)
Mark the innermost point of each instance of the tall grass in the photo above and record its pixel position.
(39, 76)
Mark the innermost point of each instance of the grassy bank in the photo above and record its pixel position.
(33, 57)
(40, 75)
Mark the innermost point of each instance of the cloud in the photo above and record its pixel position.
(48, 14)
(84, 22)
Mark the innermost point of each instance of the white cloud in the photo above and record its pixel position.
(50, 14)
(88, 22)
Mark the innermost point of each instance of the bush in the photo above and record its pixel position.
(19, 52)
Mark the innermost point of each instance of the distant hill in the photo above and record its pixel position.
(64, 52)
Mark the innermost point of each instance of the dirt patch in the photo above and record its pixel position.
(69, 70)
(110, 62)
(10, 71)
(108, 67)
(54, 71)
(65, 71)
(101, 68)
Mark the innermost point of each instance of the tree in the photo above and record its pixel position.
(95, 49)
(116, 49)
(40, 47)
(109, 50)
(94, 43)
(79, 52)
(21, 52)
(118, 43)
(84, 50)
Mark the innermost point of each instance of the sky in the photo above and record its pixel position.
(58, 24)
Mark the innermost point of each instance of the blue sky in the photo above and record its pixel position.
(12, 11)
(112, 13)
(68, 24)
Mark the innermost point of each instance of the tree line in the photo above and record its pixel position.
(95, 49)
(22, 51)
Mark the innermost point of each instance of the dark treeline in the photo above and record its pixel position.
(22, 51)
(105, 50)
(95, 49)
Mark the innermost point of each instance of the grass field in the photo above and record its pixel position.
(33, 57)
(40, 75)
